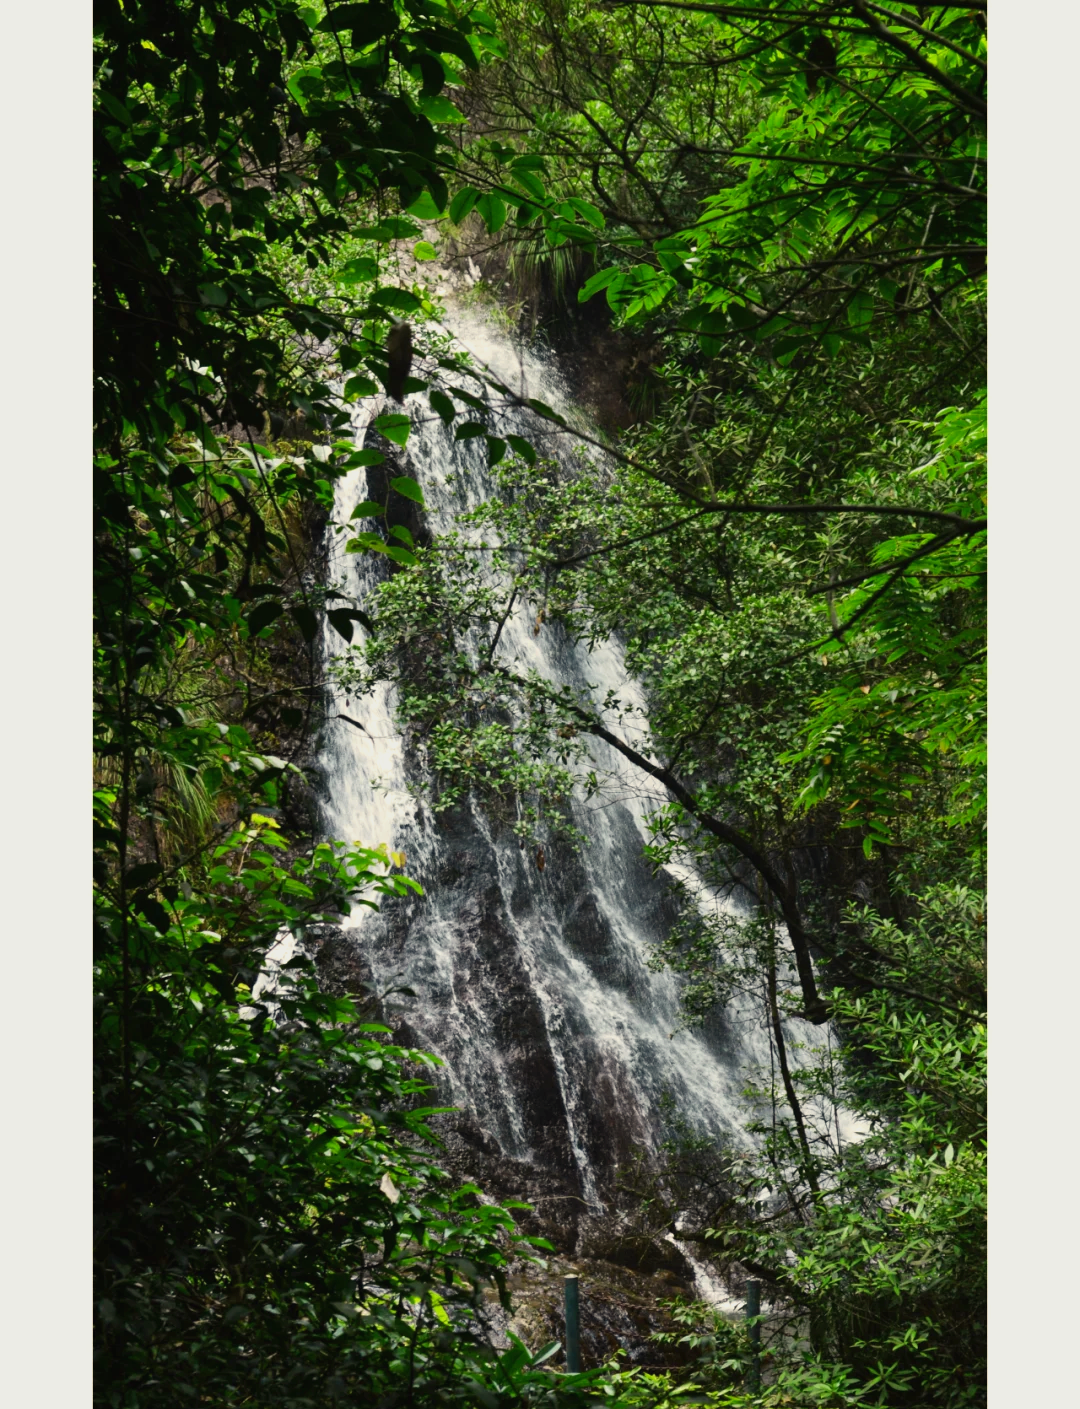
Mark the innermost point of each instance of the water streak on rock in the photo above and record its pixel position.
(531, 984)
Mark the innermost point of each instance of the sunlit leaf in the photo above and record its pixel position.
(394, 425)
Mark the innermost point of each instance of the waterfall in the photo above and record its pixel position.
(532, 985)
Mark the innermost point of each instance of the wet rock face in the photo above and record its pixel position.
(610, 1240)
(531, 978)
(478, 1006)
(530, 981)
(627, 1273)
(486, 1007)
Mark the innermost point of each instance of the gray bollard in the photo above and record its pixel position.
(573, 1326)
(753, 1310)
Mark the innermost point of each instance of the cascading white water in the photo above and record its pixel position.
(533, 986)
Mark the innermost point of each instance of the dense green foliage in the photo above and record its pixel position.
(268, 1228)
(879, 1242)
(789, 201)
(258, 1193)
(791, 546)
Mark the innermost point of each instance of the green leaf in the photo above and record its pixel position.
(408, 488)
(598, 282)
(492, 210)
(442, 404)
(468, 430)
(462, 203)
(305, 82)
(367, 510)
(356, 387)
(860, 311)
(391, 227)
(154, 911)
(706, 320)
(213, 296)
(496, 447)
(531, 185)
(476, 402)
(394, 425)
(365, 542)
(433, 73)
(400, 531)
(671, 255)
(543, 409)
(436, 108)
(401, 555)
(522, 447)
(401, 300)
(444, 40)
(367, 22)
(424, 207)
(786, 349)
(261, 616)
(544, 1355)
(306, 620)
(342, 618)
(364, 457)
(114, 107)
(741, 316)
(423, 250)
(587, 211)
(359, 270)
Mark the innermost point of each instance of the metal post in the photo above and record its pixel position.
(573, 1326)
(753, 1310)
